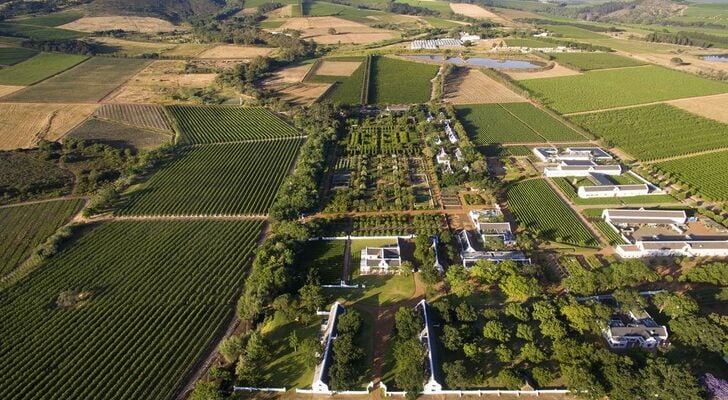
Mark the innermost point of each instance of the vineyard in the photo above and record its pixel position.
(125, 312)
(230, 179)
(491, 123)
(382, 139)
(591, 61)
(349, 89)
(139, 115)
(542, 123)
(118, 135)
(395, 81)
(538, 209)
(704, 173)
(613, 237)
(595, 90)
(14, 55)
(25, 227)
(644, 131)
(38, 68)
(228, 124)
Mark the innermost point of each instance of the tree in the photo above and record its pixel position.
(346, 356)
(251, 362)
(531, 353)
(517, 311)
(332, 31)
(206, 391)
(285, 305)
(457, 278)
(451, 338)
(699, 332)
(473, 351)
(661, 380)
(312, 298)
(293, 341)
(486, 272)
(519, 288)
(407, 268)
(629, 300)
(409, 359)
(349, 322)
(503, 353)
(543, 376)
(525, 332)
(466, 313)
(582, 381)
(231, 348)
(311, 350)
(456, 374)
(581, 317)
(674, 305)
(496, 331)
(407, 323)
(509, 379)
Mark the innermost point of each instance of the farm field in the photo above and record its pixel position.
(14, 55)
(705, 173)
(644, 131)
(51, 20)
(236, 52)
(337, 68)
(555, 71)
(712, 107)
(37, 32)
(326, 257)
(229, 179)
(595, 90)
(159, 82)
(141, 301)
(228, 124)
(25, 227)
(7, 89)
(140, 115)
(396, 81)
(528, 42)
(542, 123)
(538, 209)
(349, 89)
(38, 68)
(130, 48)
(88, 82)
(347, 32)
(28, 175)
(118, 135)
(25, 124)
(126, 23)
(613, 237)
(573, 32)
(475, 11)
(592, 61)
(471, 86)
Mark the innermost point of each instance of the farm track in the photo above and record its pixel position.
(26, 203)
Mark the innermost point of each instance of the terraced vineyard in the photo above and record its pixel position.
(25, 227)
(139, 115)
(705, 173)
(538, 209)
(228, 124)
(125, 312)
(229, 179)
(644, 131)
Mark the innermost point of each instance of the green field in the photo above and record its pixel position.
(25, 227)
(228, 124)
(592, 61)
(14, 55)
(645, 132)
(706, 173)
(395, 81)
(573, 32)
(443, 7)
(88, 82)
(239, 178)
(528, 42)
(120, 136)
(596, 90)
(512, 123)
(38, 68)
(323, 8)
(37, 32)
(55, 19)
(326, 257)
(538, 209)
(349, 89)
(144, 300)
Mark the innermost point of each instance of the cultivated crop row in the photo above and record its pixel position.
(491, 123)
(124, 311)
(226, 179)
(541, 211)
(220, 124)
(396, 81)
(704, 173)
(141, 115)
(542, 123)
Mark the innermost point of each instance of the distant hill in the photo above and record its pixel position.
(172, 10)
(639, 11)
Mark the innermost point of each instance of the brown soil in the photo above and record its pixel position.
(283, 12)
(23, 125)
(156, 82)
(127, 23)
(317, 28)
(474, 11)
(469, 86)
(7, 89)
(713, 107)
(303, 93)
(289, 75)
(557, 70)
(337, 68)
(236, 52)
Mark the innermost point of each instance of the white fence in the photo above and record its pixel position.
(349, 237)
(256, 389)
(370, 386)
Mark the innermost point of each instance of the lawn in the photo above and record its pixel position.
(287, 367)
(595, 90)
(88, 82)
(379, 290)
(592, 61)
(705, 173)
(326, 257)
(644, 131)
(14, 55)
(395, 81)
(38, 68)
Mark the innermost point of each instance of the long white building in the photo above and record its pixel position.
(589, 192)
(565, 169)
(321, 373)
(674, 248)
(644, 217)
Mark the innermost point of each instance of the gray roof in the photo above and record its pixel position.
(624, 213)
(611, 188)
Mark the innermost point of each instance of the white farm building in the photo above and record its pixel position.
(589, 192)
(568, 168)
(381, 260)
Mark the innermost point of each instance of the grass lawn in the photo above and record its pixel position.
(592, 61)
(326, 257)
(38, 68)
(287, 367)
(379, 290)
(596, 90)
(396, 81)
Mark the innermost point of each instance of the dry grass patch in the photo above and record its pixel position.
(236, 52)
(283, 12)
(289, 75)
(7, 89)
(158, 81)
(713, 107)
(303, 93)
(23, 125)
(317, 28)
(557, 70)
(337, 68)
(474, 11)
(133, 48)
(186, 50)
(126, 23)
(471, 86)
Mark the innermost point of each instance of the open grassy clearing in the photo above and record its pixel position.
(125, 23)
(228, 179)
(326, 257)
(119, 136)
(37, 32)
(14, 55)
(140, 115)
(396, 81)
(572, 32)
(592, 61)
(538, 209)
(23, 125)
(228, 124)
(38, 68)
(25, 227)
(90, 81)
(705, 173)
(144, 300)
(528, 42)
(644, 131)
(595, 90)
(287, 367)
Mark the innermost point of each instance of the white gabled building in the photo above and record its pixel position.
(674, 248)
(566, 169)
(427, 338)
(451, 135)
(552, 154)
(444, 160)
(381, 260)
(624, 332)
(321, 373)
(644, 217)
(589, 192)
(472, 251)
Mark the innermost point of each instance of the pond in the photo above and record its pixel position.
(718, 58)
(481, 62)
